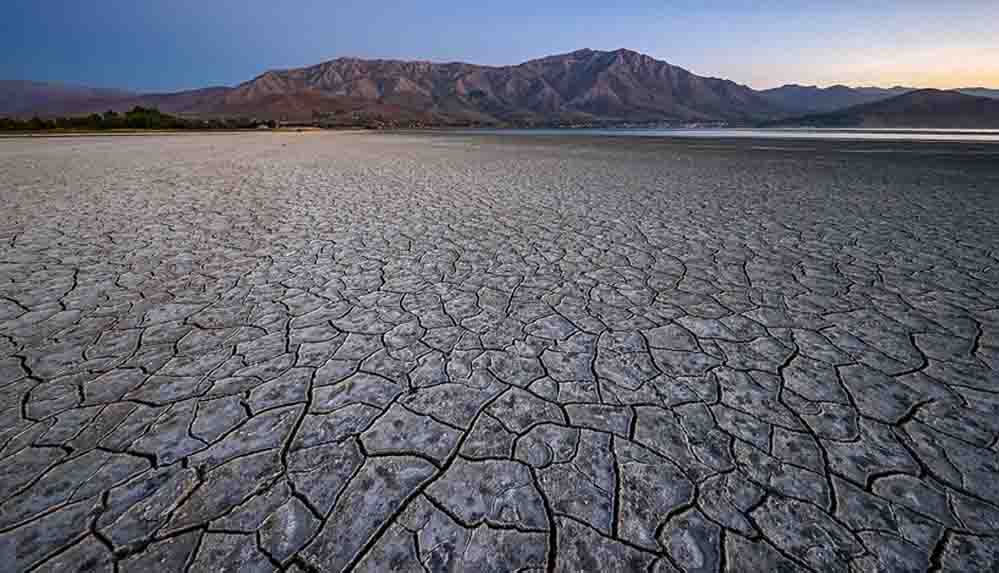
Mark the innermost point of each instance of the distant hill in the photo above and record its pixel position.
(18, 97)
(581, 87)
(980, 92)
(798, 99)
(927, 108)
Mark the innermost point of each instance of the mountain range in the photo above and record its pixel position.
(581, 87)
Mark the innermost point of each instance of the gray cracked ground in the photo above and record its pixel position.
(325, 352)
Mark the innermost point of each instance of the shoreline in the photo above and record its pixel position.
(774, 135)
(139, 132)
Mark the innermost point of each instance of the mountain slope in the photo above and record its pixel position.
(582, 85)
(926, 108)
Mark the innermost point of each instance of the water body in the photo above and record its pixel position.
(915, 135)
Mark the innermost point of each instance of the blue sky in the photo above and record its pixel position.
(159, 45)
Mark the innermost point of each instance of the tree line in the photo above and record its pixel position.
(137, 118)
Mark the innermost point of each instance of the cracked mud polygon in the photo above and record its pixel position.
(384, 352)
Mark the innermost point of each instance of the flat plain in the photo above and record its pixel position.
(432, 352)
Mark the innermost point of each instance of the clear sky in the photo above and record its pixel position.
(163, 45)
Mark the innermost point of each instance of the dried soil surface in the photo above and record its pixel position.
(417, 352)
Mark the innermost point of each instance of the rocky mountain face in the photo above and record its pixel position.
(585, 86)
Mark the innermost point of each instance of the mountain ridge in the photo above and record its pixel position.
(620, 85)
(580, 87)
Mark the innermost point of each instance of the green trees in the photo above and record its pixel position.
(38, 123)
(139, 118)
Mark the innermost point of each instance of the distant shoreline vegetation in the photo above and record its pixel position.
(138, 118)
(151, 119)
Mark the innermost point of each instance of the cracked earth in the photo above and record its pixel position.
(326, 352)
